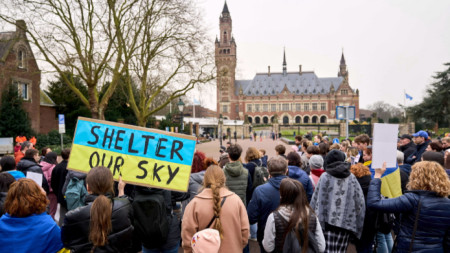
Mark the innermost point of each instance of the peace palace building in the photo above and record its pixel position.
(290, 97)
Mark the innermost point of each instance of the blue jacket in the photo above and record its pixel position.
(266, 198)
(301, 176)
(406, 168)
(417, 155)
(34, 233)
(433, 223)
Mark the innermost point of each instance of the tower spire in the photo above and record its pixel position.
(225, 8)
(342, 57)
(284, 62)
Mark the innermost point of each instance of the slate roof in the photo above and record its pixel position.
(306, 83)
(6, 41)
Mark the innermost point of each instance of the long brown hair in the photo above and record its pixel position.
(293, 195)
(215, 179)
(100, 182)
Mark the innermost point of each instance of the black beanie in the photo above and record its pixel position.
(433, 156)
(334, 156)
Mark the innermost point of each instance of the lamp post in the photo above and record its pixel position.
(220, 129)
(181, 108)
(235, 133)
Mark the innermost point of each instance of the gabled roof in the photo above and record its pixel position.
(306, 83)
(6, 42)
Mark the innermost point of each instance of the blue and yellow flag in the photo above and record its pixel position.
(391, 185)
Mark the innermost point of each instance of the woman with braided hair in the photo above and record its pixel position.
(218, 208)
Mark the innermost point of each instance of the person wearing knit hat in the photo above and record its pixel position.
(316, 165)
(206, 241)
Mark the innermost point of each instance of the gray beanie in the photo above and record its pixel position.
(316, 162)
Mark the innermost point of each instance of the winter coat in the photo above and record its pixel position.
(75, 231)
(35, 233)
(433, 223)
(238, 179)
(305, 163)
(270, 231)
(369, 231)
(29, 165)
(59, 175)
(195, 184)
(417, 155)
(406, 168)
(251, 166)
(301, 176)
(47, 169)
(264, 160)
(233, 218)
(266, 198)
(408, 149)
(315, 176)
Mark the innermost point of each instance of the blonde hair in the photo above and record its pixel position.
(215, 179)
(429, 176)
(335, 146)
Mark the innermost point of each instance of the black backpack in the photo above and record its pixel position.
(150, 219)
(260, 175)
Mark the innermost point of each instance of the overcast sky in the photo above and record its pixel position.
(389, 45)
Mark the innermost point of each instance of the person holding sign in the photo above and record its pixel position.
(104, 224)
(425, 220)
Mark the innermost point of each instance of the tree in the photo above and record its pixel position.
(168, 53)
(14, 119)
(67, 102)
(76, 37)
(385, 111)
(434, 110)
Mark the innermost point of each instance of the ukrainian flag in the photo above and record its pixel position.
(391, 185)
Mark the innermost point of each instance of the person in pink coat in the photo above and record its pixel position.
(48, 163)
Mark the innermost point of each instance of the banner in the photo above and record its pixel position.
(142, 156)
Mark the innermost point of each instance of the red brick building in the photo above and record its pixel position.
(291, 97)
(18, 66)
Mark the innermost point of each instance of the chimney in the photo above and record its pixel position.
(268, 70)
(300, 69)
(21, 26)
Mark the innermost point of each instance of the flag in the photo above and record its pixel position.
(391, 185)
(408, 97)
(196, 102)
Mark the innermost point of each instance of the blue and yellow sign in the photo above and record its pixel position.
(142, 156)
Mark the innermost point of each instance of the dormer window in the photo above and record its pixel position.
(21, 55)
(344, 92)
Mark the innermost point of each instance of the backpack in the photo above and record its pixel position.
(260, 175)
(151, 223)
(75, 193)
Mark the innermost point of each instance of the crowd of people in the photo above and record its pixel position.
(319, 196)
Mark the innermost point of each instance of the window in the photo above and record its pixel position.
(298, 107)
(306, 107)
(265, 120)
(323, 106)
(265, 107)
(323, 119)
(225, 108)
(249, 108)
(257, 108)
(285, 120)
(285, 107)
(273, 107)
(344, 92)
(314, 119)
(22, 89)
(314, 106)
(298, 120)
(21, 58)
(236, 108)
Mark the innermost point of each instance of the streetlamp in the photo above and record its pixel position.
(235, 133)
(220, 129)
(181, 108)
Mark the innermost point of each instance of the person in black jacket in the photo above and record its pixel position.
(6, 180)
(407, 145)
(425, 220)
(29, 164)
(59, 174)
(421, 140)
(105, 223)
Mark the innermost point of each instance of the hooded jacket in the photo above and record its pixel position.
(433, 227)
(238, 179)
(266, 198)
(75, 231)
(195, 184)
(233, 218)
(301, 176)
(29, 165)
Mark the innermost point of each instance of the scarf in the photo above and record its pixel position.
(317, 172)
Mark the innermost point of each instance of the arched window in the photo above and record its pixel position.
(250, 120)
(225, 36)
(257, 120)
(298, 120)
(265, 120)
(285, 120)
(21, 55)
(272, 119)
(323, 119)
(314, 119)
(306, 119)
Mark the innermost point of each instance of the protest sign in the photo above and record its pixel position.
(384, 145)
(142, 156)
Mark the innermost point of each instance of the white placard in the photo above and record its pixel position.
(36, 177)
(384, 148)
